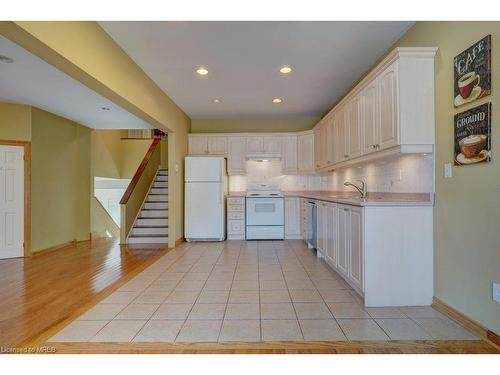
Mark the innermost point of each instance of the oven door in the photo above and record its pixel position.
(264, 211)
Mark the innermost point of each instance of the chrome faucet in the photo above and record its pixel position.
(362, 189)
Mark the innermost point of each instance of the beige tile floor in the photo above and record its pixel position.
(248, 291)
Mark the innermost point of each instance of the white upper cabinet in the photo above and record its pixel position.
(353, 129)
(331, 140)
(390, 110)
(198, 145)
(289, 163)
(388, 107)
(272, 145)
(305, 146)
(236, 155)
(341, 134)
(255, 145)
(217, 145)
(369, 117)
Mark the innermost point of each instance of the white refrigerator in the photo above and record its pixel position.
(205, 187)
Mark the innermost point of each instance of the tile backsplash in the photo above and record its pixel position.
(400, 174)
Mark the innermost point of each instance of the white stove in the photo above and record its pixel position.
(265, 217)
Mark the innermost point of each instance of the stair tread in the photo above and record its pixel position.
(150, 226)
(154, 209)
(159, 217)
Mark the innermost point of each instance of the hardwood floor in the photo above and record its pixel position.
(39, 292)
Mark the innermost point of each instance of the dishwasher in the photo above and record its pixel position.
(311, 224)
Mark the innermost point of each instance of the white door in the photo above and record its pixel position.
(217, 145)
(204, 169)
(330, 232)
(204, 216)
(354, 129)
(369, 118)
(236, 155)
(289, 157)
(292, 216)
(306, 152)
(11, 201)
(255, 145)
(356, 249)
(342, 239)
(272, 145)
(388, 102)
(197, 145)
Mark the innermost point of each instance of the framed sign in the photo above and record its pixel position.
(473, 72)
(473, 135)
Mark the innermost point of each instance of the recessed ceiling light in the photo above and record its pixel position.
(216, 101)
(202, 71)
(285, 69)
(105, 108)
(6, 59)
(277, 100)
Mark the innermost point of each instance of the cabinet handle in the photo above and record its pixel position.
(377, 145)
(346, 156)
(374, 146)
(345, 209)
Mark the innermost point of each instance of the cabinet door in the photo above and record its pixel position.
(255, 145)
(342, 239)
(323, 145)
(289, 156)
(330, 141)
(217, 145)
(369, 118)
(340, 126)
(354, 128)
(272, 145)
(236, 155)
(292, 216)
(305, 153)
(197, 145)
(320, 227)
(317, 147)
(330, 232)
(388, 108)
(356, 248)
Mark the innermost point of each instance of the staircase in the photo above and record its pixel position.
(151, 226)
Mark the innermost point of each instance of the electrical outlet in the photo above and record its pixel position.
(496, 292)
(447, 170)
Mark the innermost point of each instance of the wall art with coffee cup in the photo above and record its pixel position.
(473, 72)
(473, 135)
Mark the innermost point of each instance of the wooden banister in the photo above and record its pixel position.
(139, 171)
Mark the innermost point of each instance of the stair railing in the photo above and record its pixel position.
(137, 190)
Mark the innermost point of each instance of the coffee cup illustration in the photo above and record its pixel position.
(467, 83)
(472, 145)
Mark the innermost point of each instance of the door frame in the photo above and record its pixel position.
(27, 191)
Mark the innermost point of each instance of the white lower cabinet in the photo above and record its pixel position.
(292, 218)
(384, 252)
(235, 218)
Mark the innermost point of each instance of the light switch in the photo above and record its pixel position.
(496, 292)
(447, 170)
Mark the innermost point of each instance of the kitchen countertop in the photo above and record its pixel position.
(373, 199)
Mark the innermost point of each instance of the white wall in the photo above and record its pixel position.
(399, 174)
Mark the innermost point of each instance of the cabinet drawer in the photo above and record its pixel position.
(236, 200)
(235, 216)
(235, 207)
(236, 226)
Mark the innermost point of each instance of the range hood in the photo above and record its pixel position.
(264, 157)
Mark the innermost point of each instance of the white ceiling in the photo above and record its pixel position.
(243, 59)
(30, 80)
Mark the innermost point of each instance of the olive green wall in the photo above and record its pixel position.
(467, 210)
(60, 180)
(106, 153)
(15, 122)
(99, 63)
(133, 151)
(291, 124)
